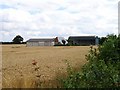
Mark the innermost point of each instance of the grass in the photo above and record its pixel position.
(18, 70)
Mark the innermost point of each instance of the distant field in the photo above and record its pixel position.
(18, 70)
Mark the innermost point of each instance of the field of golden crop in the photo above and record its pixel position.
(18, 70)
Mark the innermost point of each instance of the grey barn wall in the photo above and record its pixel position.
(32, 44)
(40, 44)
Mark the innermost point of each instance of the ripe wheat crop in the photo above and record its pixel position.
(18, 64)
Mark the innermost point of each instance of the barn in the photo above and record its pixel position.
(83, 40)
(40, 42)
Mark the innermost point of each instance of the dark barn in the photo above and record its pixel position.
(83, 40)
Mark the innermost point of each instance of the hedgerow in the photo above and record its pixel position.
(102, 69)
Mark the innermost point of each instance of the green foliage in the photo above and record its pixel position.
(97, 73)
(72, 79)
(102, 40)
(102, 69)
(18, 39)
(110, 49)
(63, 41)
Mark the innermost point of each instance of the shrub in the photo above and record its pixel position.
(102, 69)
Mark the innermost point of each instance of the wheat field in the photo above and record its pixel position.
(19, 72)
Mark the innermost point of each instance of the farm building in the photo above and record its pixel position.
(41, 42)
(83, 40)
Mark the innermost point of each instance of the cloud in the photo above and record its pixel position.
(38, 18)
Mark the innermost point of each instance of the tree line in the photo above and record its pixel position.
(19, 40)
(16, 40)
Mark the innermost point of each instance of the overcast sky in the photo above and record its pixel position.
(51, 18)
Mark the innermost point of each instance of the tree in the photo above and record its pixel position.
(102, 39)
(63, 41)
(18, 39)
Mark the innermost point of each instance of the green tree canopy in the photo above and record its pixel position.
(18, 39)
(63, 41)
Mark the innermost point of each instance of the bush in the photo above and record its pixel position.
(102, 69)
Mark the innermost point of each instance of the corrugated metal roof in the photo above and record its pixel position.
(40, 40)
(82, 37)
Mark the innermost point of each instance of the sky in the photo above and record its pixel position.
(62, 18)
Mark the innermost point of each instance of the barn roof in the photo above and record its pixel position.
(82, 37)
(40, 40)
